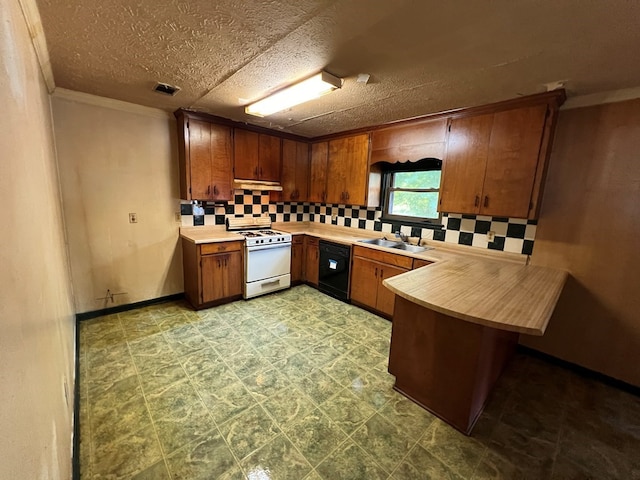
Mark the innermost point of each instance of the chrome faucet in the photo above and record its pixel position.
(402, 236)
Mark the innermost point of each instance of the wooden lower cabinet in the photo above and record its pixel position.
(312, 259)
(212, 272)
(368, 269)
(297, 259)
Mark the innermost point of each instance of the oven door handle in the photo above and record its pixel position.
(255, 248)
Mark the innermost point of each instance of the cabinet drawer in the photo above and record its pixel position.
(384, 257)
(220, 247)
(312, 240)
(297, 239)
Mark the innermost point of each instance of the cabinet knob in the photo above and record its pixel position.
(255, 171)
(260, 171)
(477, 202)
(208, 189)
(486, 200)
(215, 190)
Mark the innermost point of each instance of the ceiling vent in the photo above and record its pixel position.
(166, 89)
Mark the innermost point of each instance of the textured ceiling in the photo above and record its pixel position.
(423, 56)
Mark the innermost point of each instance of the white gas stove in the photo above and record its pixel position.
(267, 264)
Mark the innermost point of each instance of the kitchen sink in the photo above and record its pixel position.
(411, 248)
(382, 242)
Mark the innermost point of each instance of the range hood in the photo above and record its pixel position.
(241, 184)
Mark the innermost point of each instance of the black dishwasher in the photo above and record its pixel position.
(333, 271)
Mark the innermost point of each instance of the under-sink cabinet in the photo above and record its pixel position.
(369, 268)
(212, 272)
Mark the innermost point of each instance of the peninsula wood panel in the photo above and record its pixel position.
(590, 224)
(464, 166)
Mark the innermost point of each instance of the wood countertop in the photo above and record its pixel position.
(495, 289)
(502, 295)
(209, 234)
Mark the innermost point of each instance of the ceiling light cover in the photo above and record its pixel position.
(301, 92)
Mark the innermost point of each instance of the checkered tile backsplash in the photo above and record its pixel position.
(511, 234)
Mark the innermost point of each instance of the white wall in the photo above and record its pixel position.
(36, 308)
(116, 158)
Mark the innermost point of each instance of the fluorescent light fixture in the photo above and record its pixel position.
(309, 89)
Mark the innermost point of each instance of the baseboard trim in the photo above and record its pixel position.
(585, 372)
(129, 306)
(75, 459)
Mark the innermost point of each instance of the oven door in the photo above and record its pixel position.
(267, 261)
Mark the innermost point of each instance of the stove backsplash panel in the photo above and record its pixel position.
(511, 234)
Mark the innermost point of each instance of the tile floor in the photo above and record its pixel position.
(294, 386)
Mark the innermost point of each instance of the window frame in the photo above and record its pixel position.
(424, 165)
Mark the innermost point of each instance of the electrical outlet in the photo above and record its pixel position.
(491, 236)
(133, 218)
(178, 217)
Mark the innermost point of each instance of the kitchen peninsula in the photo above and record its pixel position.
(456, 324)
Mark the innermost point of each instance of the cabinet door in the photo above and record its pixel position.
(295, 171)
(312, 255)
(213, 277)
(201, 165)
(364, 281)
(297, 261)
(302, 172)
(347, 170)
(245, 154)
(221, 178)
(318, 172)
(386, 298)
(234, 274)
(465, 163)
(269, 158)
(512, 160)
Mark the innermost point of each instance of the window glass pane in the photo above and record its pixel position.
(429, 179)
(414, 204)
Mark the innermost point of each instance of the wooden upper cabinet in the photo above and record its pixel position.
(465, 164)
(295, 171)
(414, 141)
(495, 162)
(348, 170)
(256, 156)
(512, 161)
(246, 145)
(205, 160)
(269, 158)
(318, 172)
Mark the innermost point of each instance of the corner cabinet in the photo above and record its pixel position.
(256, 156)
(205, 156)
(212, 272)
(495, 163)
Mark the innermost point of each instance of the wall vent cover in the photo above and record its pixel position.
(166, 89)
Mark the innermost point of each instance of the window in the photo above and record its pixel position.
(411, 191)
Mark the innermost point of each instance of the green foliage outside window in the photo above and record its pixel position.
(414, 194)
